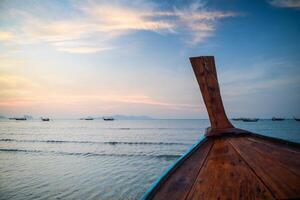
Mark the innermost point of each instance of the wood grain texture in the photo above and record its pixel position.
(179, 184)
(273, 171)
(289, 158)
(236, 167)
(233, 163)
(206, 74)
(226, 176)
(284, 146)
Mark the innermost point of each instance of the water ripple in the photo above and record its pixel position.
(87, 154)
(94, 142)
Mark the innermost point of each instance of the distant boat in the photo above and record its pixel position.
(45, 119)
(250, 120)
(20, 118)
(238, 119)
(26, 117)
(17, 118)
(108, 119)
(245, 119)
(297, 119)
(277, 119)
(89, 118)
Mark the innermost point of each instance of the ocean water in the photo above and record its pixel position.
(75, 159)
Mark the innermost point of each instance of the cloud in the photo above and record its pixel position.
(198, 22)
(143, 99)
(80, 47)
(20, 91)
(82, 50)
(14, 96)
(261, 77)
(285, 3)
(7, 63)
(120, 19)
(14, 86)
(103, 23)
(5, 36)
(14, 82)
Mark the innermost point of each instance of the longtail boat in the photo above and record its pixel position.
(227, 162)
(238, 119)
(277, 119)
(250, 120)
(20, 118)
(245, 119)
(108, 119)
(89, 118)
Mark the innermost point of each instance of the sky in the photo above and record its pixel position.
(71, 58)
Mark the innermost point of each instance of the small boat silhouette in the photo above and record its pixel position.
(89, 118)
(245, 119)
(250, 119)
(108, 119)
(277, 119)
(238, 119)
(18, 118)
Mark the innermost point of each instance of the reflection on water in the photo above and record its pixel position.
(72, 159)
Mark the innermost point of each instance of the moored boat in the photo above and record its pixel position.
(250, 119)
(108, 119)
(245, 119)
(45, 119)
(25, 117)
(228, 162)
(18, 118)
(89, 118)
(277, 119)
(238, 119)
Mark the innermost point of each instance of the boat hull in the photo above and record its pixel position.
(233, 167)
(250, 120)
(230, 163)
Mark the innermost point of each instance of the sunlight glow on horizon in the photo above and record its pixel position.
(78, 58)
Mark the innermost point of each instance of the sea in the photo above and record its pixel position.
(120, 159)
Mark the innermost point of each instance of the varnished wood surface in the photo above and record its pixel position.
(276, 175)
(206, 75)
(179, 184)
(236, 167)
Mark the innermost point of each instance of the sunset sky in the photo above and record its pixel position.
(68, 59)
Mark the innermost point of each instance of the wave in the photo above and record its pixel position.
(119, 129)
(89, 154)
(147, 143)
(94, 142)
(21, 150)
(157, 128)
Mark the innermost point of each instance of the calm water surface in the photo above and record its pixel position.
(73, 159)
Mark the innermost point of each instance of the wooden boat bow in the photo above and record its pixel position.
(229, 163)
(206, 74)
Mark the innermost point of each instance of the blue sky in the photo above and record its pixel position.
(78, 58)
